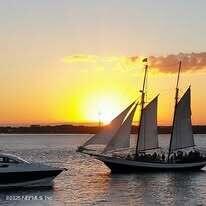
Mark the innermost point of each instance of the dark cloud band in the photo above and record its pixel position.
(190, 61)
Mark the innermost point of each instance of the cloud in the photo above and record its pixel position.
(120, 63)
(80, 58)
(94, 58)
(165, 64)
(190, 62)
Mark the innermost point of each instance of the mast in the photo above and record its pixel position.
(176, 101)
(100, 120)
(142, 101)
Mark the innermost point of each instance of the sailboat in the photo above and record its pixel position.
(182, 153)
(98, 142)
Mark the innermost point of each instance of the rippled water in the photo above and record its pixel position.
(88, 181)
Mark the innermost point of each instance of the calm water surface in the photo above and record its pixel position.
(88, 181)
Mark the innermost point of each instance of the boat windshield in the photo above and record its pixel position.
(12, 159)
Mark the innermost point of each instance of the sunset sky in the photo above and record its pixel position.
(69, 61)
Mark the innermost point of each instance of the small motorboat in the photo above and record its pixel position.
(17, 172)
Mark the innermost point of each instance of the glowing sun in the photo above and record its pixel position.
(105, 109)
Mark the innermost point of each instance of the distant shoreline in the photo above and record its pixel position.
(73, 129)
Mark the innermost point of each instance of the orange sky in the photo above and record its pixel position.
(69, 61)
(85, 90)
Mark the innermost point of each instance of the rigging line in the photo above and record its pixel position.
(142, 106)
(146, 99)
(176, 101)
(146, 87)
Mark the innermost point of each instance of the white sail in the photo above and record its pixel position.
(122, 137)
(108, 131)
(148, 135)
(182, 136)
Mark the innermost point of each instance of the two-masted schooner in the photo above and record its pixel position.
(182, 153)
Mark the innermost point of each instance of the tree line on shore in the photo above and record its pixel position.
(81, 129)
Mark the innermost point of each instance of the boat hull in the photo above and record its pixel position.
(118, 165)
(28, 179)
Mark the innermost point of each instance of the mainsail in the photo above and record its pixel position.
(108, 131)
(122, 137)
(182, 136)
(148, 135)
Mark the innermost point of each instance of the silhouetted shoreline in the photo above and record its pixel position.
(73, 129)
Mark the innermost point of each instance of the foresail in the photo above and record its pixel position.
(148, 136)
(108, 131)
(122, 137)
(182, 136)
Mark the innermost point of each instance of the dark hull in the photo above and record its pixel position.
(118, 168)
(117, 165)
(12, 179)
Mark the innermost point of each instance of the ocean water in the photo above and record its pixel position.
(89, 182)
